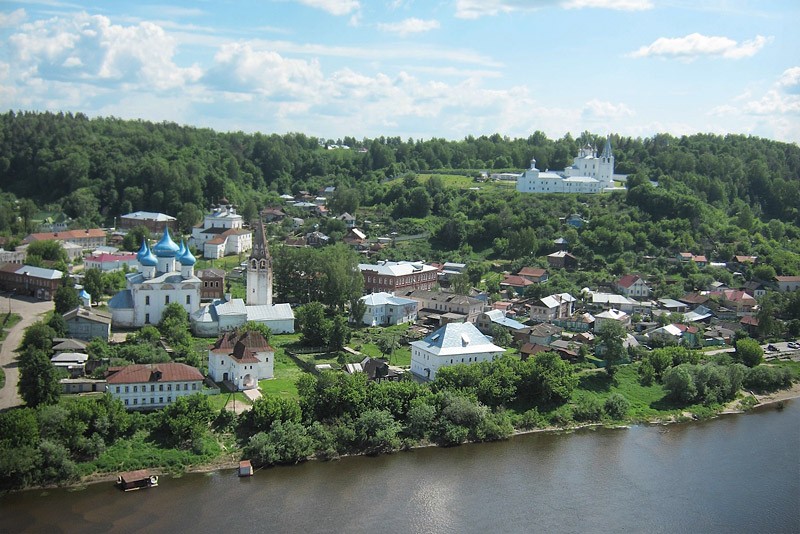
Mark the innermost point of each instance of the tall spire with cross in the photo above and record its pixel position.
(259, 268)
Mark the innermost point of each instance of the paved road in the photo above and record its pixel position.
(31, 311)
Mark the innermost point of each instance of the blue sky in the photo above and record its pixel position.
(413, 68)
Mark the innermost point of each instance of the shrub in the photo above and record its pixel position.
(767, 378)
(588, 408)
(533, 419)
(617, 406)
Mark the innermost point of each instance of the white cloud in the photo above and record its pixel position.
(773, 103)
(618, 5)
(695, 45)
(473, 9)
(409, 26)
(334, 7)
(596, 110)
(14, 18)
(85, 48)
(790, 80)
(241, 68)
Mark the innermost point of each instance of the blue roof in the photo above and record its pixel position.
(166, 247)
(147, 259)
(186, 258)
(122, 300)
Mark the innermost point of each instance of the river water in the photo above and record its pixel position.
(738, 473)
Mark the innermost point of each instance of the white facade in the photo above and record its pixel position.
(242, 359)
(110, 262)
(163, 278)
(153, 386)
(222, 233)
(452, 344)
(588, 174)
(386, 309)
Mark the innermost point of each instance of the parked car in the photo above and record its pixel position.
(772, 348)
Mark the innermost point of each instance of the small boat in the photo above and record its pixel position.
(245, 468)
(134, 480)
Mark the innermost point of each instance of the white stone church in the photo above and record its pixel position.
(226, 314)
(587, 174)
(166, 275)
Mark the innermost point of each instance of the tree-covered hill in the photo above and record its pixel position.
(99, 168)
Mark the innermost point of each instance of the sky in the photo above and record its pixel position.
(412, 68)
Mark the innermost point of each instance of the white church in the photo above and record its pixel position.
(166, 275)
(226, 314)
(587, 174)
(221, 233)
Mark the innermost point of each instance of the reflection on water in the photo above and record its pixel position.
(732, 474)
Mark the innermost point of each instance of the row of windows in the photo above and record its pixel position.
(166, 299)
(143, 388)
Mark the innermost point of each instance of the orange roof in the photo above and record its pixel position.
(154, 372)
(628, 280)
(532, 271)
(66, 235)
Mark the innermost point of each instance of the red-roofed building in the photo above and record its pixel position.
(632, 285)
(533, 274)
(150, 386)
(242, 359)
(737, 300)
(111, 262)
(515, 282)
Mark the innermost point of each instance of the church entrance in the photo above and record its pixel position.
(224, 377)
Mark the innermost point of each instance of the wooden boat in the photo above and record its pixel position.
(245, 468)
(134, 480)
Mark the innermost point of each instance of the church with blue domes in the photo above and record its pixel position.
(166, 275)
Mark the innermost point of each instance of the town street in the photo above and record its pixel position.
(31, 311)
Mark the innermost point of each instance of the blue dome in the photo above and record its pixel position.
(143, 251)
(148, 259)
(186, 258)
(181, 250)
(166, 247)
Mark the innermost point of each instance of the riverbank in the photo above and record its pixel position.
(229, 462)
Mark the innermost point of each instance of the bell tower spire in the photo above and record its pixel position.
(259, 268)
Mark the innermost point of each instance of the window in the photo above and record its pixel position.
(186, 387)
(188, 299)
(169, 387)
(194, 386)
(161, 400)
(117, 389)
(153, 400)
(136, 401)
(169, 399)
(126, 389)
(144, 401)
(161, 387)
(152, 387)
(126, 402)
(147, 300)
(166, 299)
(147, 318)
(135, 389)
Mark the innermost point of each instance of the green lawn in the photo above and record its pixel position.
(219, 401)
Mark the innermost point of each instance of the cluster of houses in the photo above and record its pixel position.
(454, 328)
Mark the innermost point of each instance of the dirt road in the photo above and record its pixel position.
(31, 311)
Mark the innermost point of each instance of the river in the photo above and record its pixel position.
(736, 473)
